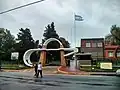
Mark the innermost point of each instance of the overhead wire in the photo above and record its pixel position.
(6, 11)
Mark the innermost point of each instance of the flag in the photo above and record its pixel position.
(78, 18)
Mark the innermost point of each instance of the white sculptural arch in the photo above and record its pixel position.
(50, 40)
(26, 57)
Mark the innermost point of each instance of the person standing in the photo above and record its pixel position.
(36, 69)
(39, 70)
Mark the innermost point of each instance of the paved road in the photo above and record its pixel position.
(25, 81)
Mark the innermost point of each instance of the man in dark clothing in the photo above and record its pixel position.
(36, 70)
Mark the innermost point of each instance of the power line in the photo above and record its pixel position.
(20, 7)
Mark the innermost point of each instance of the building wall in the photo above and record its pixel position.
(109, 53)
(94, 46)
(94, 51)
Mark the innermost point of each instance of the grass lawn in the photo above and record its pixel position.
(14, 66)
(97, 69)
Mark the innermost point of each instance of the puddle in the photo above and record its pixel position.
(95, 84)
(50, 84)
(63, 82)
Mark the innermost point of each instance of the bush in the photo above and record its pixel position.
(14, 66)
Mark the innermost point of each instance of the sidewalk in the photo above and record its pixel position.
(66, 70)
(62, 70)
(103, 73)
(46, 70)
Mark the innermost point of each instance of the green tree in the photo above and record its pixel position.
(26, 42)
(7, 41)
(50, 32)
(65, 43)
(114, 36)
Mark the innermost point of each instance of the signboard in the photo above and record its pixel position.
(14, 55)
(106, 65)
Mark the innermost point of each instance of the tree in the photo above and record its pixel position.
(114, 36)
(7, 41)
(36, 55)
(26, 42)
(65, 43)
(26, 39)
(109, 39)
(115, 31)
(50, 32)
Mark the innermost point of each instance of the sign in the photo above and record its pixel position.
(106, 65)
(14, 55)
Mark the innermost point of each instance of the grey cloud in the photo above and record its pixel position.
(98, 16)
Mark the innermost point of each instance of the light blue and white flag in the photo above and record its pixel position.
(78, 18)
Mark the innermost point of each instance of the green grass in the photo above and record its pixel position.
(14, 67)
(96, 69)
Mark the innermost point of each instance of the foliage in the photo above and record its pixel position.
(26, 42)
(114, 36)
(6, 43)
(50, 32)
(65, 43)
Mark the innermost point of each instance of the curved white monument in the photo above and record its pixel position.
(26, 57)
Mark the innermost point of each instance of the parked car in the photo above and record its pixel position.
(118, 72)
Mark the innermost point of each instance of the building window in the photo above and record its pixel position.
(110, 53)
(88, 45)
(99, 44)
(118, 54)
(94, 54)
(94, 45)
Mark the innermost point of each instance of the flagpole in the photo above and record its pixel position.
(71, 36)
(74, 30)
(75, 40)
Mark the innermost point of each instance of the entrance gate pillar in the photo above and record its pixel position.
(43, 53)
(43, 57)
(63, 61)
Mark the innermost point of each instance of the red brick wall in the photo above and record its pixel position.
(96, 51)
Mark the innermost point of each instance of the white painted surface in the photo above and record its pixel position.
(72, 65)
(26, 57)
(118, 72)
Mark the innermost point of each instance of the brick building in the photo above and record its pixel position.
(95, 46)
(112, 52)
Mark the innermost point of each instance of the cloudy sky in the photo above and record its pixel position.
(98, 16)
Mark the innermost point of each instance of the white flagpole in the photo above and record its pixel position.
(71, 36)
(74, 30)
(75, 40)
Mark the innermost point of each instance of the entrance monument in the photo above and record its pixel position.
(44, 49)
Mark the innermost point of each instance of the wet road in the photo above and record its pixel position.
(25, 81)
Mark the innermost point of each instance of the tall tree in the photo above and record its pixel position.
(50, 32)
(26, 42)
(7, 41)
